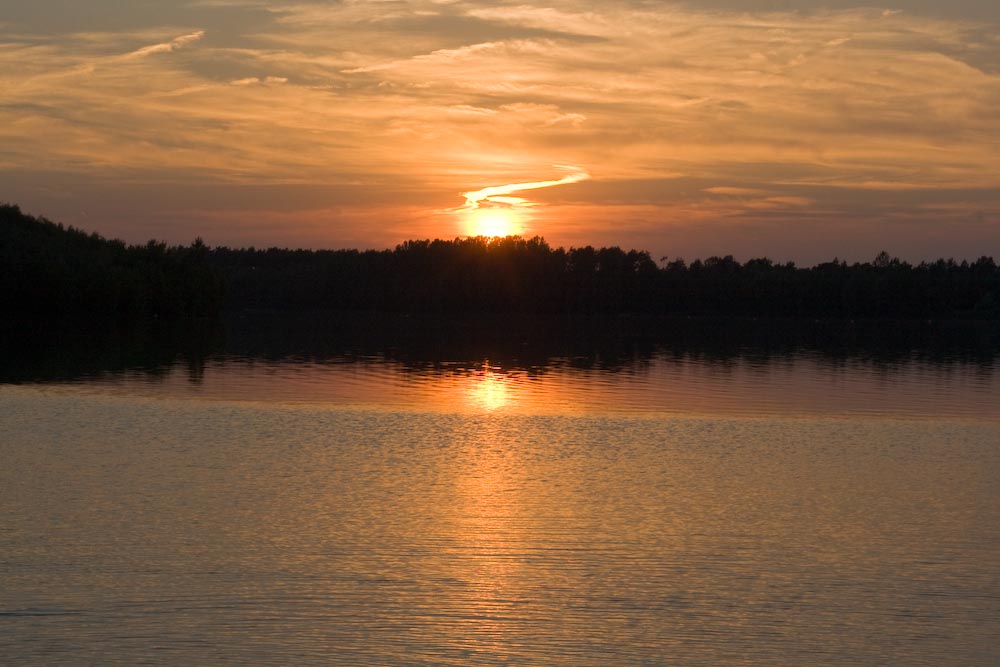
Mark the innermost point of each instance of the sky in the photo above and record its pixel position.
(795, 129)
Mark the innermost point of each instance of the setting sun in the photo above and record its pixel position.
(492, 222)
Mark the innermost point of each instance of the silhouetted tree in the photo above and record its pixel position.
(46, 268)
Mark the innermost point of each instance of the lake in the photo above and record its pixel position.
(275, 493)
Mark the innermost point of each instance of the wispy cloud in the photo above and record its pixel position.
(498, 194)
(256, 80)
(684, 117)
(167, 47)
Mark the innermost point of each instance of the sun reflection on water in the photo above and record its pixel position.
(490, 390)
(491, 524)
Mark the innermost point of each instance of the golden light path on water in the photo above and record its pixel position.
(801, 385)
(479, 513)
(489, 390)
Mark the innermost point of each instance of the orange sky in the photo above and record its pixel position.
(707, 128)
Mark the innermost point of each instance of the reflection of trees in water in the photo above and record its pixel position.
(530, 346)
(153, 349)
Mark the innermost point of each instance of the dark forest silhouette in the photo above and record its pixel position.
(50, 271)
(47, 269)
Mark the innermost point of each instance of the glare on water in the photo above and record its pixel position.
(488, 389)
(666, 511)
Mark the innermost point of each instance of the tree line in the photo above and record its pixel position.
(45, 267)
(48, 271)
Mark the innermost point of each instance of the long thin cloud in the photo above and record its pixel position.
(167, 47)
(498, 193)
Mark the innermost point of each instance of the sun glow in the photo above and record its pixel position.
(494, 211)
(489, 391)
(493, 222)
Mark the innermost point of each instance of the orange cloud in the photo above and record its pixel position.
(167, 47)
(680, 114)
(498, 193)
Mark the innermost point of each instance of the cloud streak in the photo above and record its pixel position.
(688, 119)
(167, 47)
(498, 194)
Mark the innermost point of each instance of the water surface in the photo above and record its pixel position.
(656, 505)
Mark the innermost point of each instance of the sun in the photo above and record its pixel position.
(492, 222)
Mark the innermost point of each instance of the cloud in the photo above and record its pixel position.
(498, 193)
(727, 191)
(837, 42)
(434, 58)
(723, 115)
(255, 80)
(167, 47)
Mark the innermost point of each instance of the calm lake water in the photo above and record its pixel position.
(631, 503)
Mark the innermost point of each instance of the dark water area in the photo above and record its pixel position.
(70, 351)
(322, 489)
(630, 364)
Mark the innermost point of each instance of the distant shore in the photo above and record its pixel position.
(48, 271)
